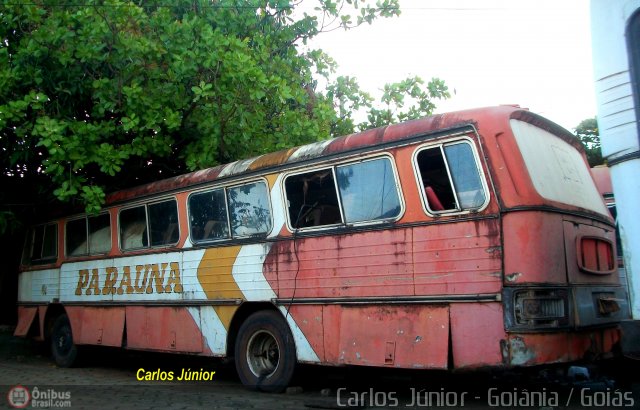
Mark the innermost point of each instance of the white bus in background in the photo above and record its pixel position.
(615, 27)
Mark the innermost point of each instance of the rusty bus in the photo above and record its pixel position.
(458, 241)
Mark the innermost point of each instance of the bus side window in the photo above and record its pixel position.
(42, 245)
(98, 229)
(312, 199)
(368, 191)
(249, 209)
(450, 178)
(163, 221)
(76, 237)
(208, 216)
(99, 233)
(133, 228)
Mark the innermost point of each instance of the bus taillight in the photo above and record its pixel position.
(541, 307)
(595, 255)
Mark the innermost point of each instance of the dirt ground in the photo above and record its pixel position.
(108, 379)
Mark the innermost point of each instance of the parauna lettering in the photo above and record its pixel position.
(149, 278)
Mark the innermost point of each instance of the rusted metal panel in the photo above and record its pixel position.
(390, 335)
(331, 336)
(544, 348)
(458, 258)
(25, 319)
(534, 248)
(476, 334)
(363, 139)
(162, 328)
(169, 184)
(358, 264)
(272, 159)
(97, 325)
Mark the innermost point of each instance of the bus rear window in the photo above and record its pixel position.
(42, 245)
(449, 176)
(557, 169)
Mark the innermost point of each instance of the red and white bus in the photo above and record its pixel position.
(462, 240)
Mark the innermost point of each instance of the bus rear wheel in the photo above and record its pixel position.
(265, 354)
(63, 350)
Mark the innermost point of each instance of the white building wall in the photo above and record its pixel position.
(618, 126)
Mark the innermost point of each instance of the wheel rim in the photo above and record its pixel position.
(263, 354)
(64, 341)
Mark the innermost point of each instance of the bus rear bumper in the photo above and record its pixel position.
(530, 349)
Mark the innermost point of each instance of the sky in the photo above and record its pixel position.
(534, 53)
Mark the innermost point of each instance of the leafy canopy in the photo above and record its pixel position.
(100, 95)
(587, 133)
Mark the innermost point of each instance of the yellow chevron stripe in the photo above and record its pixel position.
(216, 279)
(271, 179)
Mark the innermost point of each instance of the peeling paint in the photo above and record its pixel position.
(437, 276)
(519, 352)
(512, 277)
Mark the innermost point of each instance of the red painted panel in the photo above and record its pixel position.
(361, 264)
(476, 332)
(534, 248)
(331, 324)
(97, 325)
(458, 258)
(309, 320)
(399, 336)
(162, 328)
(25, 319)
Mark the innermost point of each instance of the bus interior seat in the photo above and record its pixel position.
(170, 234)
(433, 200)
(213, 229)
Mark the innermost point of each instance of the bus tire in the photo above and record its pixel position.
(265, 353)
(63, 350)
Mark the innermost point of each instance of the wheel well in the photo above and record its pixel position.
(53, 311)
(244, 311)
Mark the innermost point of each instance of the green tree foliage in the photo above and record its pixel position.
(587, 133)
(104, 94)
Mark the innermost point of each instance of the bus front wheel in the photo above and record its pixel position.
(265, 353)
(63, 350)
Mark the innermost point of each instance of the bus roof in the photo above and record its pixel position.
(343, 144)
